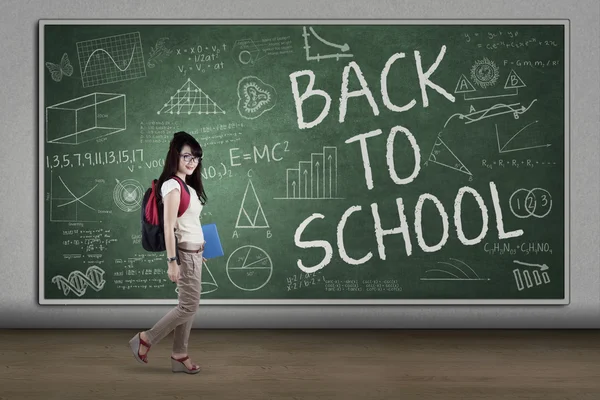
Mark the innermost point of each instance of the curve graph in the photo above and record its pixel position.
(111, 59)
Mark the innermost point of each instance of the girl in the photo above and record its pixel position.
(183, 160)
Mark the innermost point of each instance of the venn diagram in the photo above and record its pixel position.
(525, 203)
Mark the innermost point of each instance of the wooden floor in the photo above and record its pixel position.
(299, 365)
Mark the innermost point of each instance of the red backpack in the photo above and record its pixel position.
(153, 235)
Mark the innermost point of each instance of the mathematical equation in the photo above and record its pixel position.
(493, 40)
(371, 285)
(515, 249)
(201, 58)
(237, 156)
(517, 44)
(219, 172)
(513, 163)
(140, 283)
(154, 132)
(489, 35)
(533, 63)
(221, 139)
(91, 159)
(303, 280)
(88, 241)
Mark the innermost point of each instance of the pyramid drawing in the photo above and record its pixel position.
(251, 214)
(207, 285)
(190, 99)
(442, 155)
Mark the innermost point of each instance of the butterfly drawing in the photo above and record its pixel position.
(58, 70)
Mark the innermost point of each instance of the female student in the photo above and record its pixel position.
(183, 160)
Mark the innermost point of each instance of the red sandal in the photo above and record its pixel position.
(177, 365)
(135, 344)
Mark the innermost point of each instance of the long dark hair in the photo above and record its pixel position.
(179, 140)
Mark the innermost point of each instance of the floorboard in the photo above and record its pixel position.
(306, 364)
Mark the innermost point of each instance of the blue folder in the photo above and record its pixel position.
(212, 247)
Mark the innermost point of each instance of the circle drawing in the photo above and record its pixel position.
(484, 72)
(249, 268)
(525, 203)
(128, 195)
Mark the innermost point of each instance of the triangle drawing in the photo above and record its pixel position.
(513, 81)
(442, 155)
(190, 99)
(251, 213)
(463, 85)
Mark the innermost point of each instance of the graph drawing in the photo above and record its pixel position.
(334, 50)
(316, 179)
(66, 206)
(111, 59)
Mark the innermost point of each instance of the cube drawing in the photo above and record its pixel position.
(86, 118)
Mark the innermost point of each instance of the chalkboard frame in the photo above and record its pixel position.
(42, 300)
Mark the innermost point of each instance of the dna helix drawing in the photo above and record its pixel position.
(77, 282)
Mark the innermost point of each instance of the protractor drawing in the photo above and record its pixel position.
(111, 59)
(249, 268)
(128, 195)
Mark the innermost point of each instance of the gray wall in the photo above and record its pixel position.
(19, 158)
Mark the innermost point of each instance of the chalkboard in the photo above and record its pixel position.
(358, 162)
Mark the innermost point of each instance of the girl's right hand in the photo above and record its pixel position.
(173, 272)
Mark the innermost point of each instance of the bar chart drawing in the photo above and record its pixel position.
(314, 179)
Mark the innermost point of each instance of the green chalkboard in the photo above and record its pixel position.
(397, 162)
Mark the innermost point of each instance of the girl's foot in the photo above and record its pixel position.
(139, 346)
(179, 360)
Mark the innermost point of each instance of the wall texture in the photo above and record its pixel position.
(19, 158)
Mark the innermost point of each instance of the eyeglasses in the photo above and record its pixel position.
(188, 157)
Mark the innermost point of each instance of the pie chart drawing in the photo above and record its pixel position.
(128, 195)
(249, 268)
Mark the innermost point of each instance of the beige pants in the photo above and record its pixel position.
(181, 317)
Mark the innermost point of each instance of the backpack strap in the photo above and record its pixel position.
(184, 199)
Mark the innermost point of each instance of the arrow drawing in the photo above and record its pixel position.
(543, 267)
(492, 112)
(317, 177)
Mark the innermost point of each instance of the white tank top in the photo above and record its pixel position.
(187, 227)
